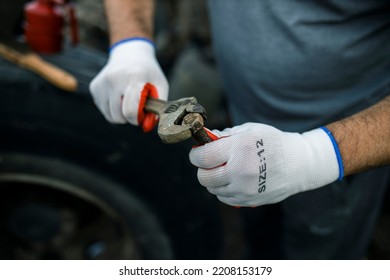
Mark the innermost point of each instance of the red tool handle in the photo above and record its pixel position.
(211, 135)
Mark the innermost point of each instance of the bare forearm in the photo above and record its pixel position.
(129, 18)
(364, 138)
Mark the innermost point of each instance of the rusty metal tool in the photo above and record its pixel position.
(179, 119)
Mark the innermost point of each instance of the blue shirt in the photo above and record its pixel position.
(298, 64)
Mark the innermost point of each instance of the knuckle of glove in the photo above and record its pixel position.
(210, 155)
(238, 201)
(162, 89)
(130, 113)
(131, 101)
(98, 85)
(98, 90)
(214, 178)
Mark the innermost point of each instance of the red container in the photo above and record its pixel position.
(45, 23)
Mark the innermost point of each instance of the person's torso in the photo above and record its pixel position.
(297, 64)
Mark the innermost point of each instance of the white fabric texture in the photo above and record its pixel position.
(255, 164)
(116, 90)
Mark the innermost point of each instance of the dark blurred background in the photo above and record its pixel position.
(77, 187)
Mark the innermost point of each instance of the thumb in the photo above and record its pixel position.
(210, 155)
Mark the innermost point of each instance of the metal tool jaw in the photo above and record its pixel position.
(172, 128)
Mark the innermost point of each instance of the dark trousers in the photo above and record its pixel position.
(333, 222)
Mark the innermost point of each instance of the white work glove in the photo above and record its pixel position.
(255, 164)
(131, 74)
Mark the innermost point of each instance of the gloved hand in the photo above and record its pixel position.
(122, 86)
(255, 164)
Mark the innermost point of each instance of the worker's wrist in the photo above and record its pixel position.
(132, 50)
(311, 160)
(131, 40)
(336, 150)
(324, 165)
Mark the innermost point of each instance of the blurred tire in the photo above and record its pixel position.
(50, 139)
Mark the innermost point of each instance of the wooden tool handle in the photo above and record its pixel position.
(36, 64)
(48, 71)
